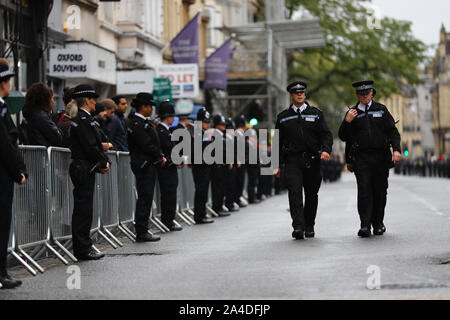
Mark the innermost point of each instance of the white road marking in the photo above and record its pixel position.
(425, 203)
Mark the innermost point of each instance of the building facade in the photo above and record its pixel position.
(441, 95)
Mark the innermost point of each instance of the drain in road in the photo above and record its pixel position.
(135, 254)
(398, 286)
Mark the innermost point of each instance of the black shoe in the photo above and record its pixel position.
(256, 201)
(147, 237)
(309, 233)
(364, 233)
(175, 228)
(383, 228)
(378, 231)
(91, 254)
(223, 214)
(6, 282)
(204, 221)
(298, 234)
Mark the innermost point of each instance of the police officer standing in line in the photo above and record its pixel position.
(201, 171)
(370, 128)
(253, 169)
(220, 169)
(304, 140)
(167, 174)
(88, 158)
(146, 156)
(239, 181)
(230, 176)
(12, 169)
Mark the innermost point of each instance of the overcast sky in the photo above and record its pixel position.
(427, 16)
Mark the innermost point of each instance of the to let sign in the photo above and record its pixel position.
(183, 78)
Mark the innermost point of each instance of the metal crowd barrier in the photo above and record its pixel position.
(185, 195)
(42, 208)
(127, 195)
(61, 199)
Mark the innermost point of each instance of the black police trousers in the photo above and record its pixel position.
(298, 178)
(372, 179)
(6, 200)
(168, 184)
(239, 182)
(230, 178)
(252, 175)
(201, 174)
(145, 185)
(83, 202)
(219, 174)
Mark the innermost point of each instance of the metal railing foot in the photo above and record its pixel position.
(185, 219)
(63, 249)
(129, 236)
(34, 263)
(26, 265)
(105, 230)
(211, 211)
(107, 239)
(56, 253)
(158, 225)
(131, 233)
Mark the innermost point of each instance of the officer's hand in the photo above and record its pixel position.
(180, 166)
(111, 147)
(105, 170)
(396, 157)
(105, 146)
(325, 156)
(351, 115)
(23, 180)
(163, 163)
(277, 172)
(230, 166)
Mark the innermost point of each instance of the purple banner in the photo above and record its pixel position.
(185, 45)
(216, 67)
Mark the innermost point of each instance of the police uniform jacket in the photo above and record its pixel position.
(205, 138)
(143, 141)
(165, 137)
(372, 131)
(85, 141)
(10, 157)
(305, 132)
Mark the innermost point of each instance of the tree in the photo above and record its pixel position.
(355, 50)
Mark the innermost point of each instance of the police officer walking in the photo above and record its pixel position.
(145, 154)
(371, 130)
(12, 169)
(304, 140)
(200, 170)
(88, 158)
(167, 174)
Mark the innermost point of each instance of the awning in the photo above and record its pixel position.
(291, 35)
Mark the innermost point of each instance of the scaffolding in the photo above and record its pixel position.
(258, 71)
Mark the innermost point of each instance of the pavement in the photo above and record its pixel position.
(251, 255)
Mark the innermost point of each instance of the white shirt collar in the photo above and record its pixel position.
(140, 115)
(85, 111)
(362, 107)
(165, 125)
(302, 108)
(2, 101)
